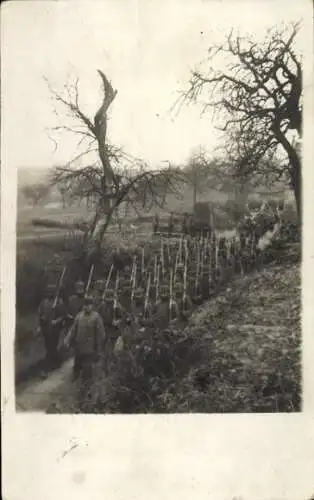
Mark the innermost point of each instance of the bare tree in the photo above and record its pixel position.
(112, 177)
(35, 193)
(205, 173)
(257, 99)
(197, 172)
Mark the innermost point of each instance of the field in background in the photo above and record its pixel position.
(70, 215)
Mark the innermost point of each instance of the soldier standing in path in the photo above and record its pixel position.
(87, 336)
(51, 317)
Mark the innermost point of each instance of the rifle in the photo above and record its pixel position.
(197, 269)
(175, 268)
(143, 263)
(155, 269)
(146, 304)
(134, 260)
(157, 283)
(202, 263)
(162, 259)
(210, 264)
(59, 288)
(91, 272)
(185, 276)
(108, 281)
(115, 300)
(173, 306)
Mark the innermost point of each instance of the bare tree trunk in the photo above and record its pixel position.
(295, 168)
(296, 182)
(100, 130)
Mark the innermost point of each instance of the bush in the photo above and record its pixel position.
(235, 210)
(39, 263)
(144, 377)
(31, 281)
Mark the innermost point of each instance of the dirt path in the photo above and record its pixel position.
(38, 396)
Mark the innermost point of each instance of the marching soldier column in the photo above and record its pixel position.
(157, 289)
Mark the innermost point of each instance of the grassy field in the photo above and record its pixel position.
(68, 215)
(250, 337)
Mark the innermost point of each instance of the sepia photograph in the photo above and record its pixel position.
(159, 206)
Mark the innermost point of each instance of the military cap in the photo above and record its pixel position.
(100, 283)
(164, 291)
(139, 292)
(178, 287)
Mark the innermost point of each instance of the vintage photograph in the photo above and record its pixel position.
(159, 169)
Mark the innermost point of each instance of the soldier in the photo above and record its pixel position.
(162, 308)
(51, 317)
(170, 224)
(76, 302)
(192, 226)
(156, 224)
(97, 292)
(185, 224)
(105, 310)
(176, 305)
(112, 314)
(87, 336)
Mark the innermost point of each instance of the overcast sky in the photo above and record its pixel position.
(146, 48)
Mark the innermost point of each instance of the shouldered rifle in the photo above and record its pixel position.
(143, 262)
(162, 259)
(108, 281)
(133, 285)
(91, 272)
(173, 308)
(155, 269)
(55, 302)
(157, 283)
(134, 268)
(146, 303)
(185, 275)
(115, 299)
(197, 269)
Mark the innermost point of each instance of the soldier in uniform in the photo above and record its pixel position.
(105, 310)
(76, 300)
(170, 224)
(156, 224)
(112, 316)
(87, 336)
(177, 297)
(51, 317)
(97, 293)
(185, 224)
(76, 303)
(162, 308)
